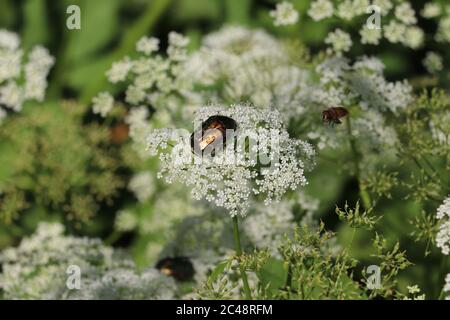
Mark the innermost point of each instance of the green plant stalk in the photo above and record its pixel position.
(112, 238)
(237, 242)
(363, 194)
(288, 282)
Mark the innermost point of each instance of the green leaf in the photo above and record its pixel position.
(273, 275)
(99, 24)
(184, 11)
(35, 28)
(218, 270)
(238, 11)
(8, 13)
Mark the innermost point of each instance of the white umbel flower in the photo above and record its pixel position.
(433, 62)
(414, 37)
(142, 185)
(36, 269)
(250, 65)
(36, 70)
(119, 70)
(9, 40)
(370, 36)
(19, 81)
(321, 9)
(394, 32)
(345, 10)
(384, 5)
(443, 32)
(339, 40)
(431, 10)
(267, 227)
(147, 45)
(284, 14)
(177, 46)
(443, 235)
(120, 284)
(102, 104)
(405, 13)
(446, 288)
(11, 96)
(10, 64)
(125, 221)
(349, 9)
(444, 209)
(230, 178)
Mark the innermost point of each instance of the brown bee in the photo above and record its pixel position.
(180, 268)
(211, 134)
(333, 114)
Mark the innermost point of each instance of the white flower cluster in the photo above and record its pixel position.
(405, 13)
(433, 62)
(443, 235)
(120, 284)
(244, 65)
(266, 226)
(362, 83)
(384, 5)
(407, 34)
(321, 9)
(414, 293)
(284, 14)
(139, 128)
(363, 90)
(229, 178)
(102, 104)
(440, 130)
(170, 207)
(152, 76)
(147, 45)
(348, 9)
(402, 27)
(204, 238)
(157, 86)
(446, 288)
(440, 13)
(21, 82)
(370, 36)
(339, 40)
(142, 185)
(431, 10)
(125, 221)
(234, 64)
(36, 269)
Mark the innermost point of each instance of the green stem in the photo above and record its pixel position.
(363, 194)
(112, 238)
(353, 238)
(288, 282)
(237, 242)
